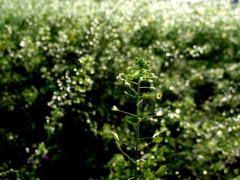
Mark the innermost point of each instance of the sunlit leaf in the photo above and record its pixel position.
(148, 174)
(161, 171)
(115, 135)
(157, 140)
(156, 134)
(117, 140)
(141, 162)
(118, 145)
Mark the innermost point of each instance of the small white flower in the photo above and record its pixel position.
(22, 43)
(219, 133)
(205, 172)
(159, 113)
(178, 111)
(152, 88)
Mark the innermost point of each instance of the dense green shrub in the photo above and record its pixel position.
(58, 63)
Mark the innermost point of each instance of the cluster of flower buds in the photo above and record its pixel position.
(138, 74)
(121, 77)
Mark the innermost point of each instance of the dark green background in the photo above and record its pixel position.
(58, 66)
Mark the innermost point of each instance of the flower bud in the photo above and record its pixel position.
(127, 84)
(118, 78)
(159, 95)
(114, 108)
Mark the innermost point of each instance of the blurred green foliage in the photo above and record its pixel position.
(58, 63)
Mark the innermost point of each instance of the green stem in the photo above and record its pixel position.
(128, 156)
(133, 82)
(129, 94)
(137, 125)
(149, 116)
(126, 144)
(145, 87)
(144, 146)
(132, 89)
(145, 138)
(130, 114)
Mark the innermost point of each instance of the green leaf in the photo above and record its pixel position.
(148, 174)
(161, 171)
(117, 140)
(115, 135)
(157, 140)
(118, 145)
(141, 162)
(156, 134)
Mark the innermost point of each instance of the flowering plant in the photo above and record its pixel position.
(135, 80)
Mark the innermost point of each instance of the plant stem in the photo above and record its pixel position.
(128, 156)
(137, 125)
(130, 114)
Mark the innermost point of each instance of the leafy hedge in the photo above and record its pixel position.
(59, 61)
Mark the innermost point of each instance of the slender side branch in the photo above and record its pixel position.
(145, 117)
(126, 144)
(145, 138)
(127, 113)
(127, 156)
(129, 94)
(133, 82)
(144, 146)
(133, 90)
(146, 87)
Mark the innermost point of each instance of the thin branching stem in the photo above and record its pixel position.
(128, 156)
(129, 94)
(126, 144)
(133, 82)
(145, 87)
(148, 95)
(145, 117)
(144, 146)
(145, 138)
(133, 90)
(126, 113)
